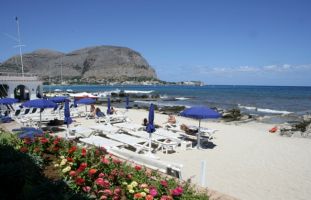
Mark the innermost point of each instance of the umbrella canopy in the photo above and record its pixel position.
(127, 102)
(58, 99)
(39, 103)
(150, 126)
(6, 101)
(200, 113)
(86, 101)
(108, 106)
(67, 119)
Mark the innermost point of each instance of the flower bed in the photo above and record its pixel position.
(99, 175)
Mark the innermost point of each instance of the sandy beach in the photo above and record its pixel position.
(247, 161)
(243, 160)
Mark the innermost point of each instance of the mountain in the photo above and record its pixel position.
(92, 64)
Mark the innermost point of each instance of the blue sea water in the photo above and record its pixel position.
(251, 99)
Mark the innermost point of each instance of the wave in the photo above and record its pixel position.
(265, 110)
(158, 103)
(182, 98)
(138, 91)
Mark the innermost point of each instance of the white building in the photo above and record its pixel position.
(22, 87)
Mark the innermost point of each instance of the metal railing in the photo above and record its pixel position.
(17, 74)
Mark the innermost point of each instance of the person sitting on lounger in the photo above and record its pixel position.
(187, 130)
(99, 113)
(145, 122)
(113, 111)
(171, 119)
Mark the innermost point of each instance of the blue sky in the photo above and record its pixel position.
(219, 42)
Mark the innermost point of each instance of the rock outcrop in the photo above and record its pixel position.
(93, 63)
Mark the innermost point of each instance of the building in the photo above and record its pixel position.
(20, 86)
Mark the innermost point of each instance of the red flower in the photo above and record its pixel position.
(138, 196)
(55, 148)
(105, 160)
(102, 182)
(80, 181)
(56, 141)
(44, 140)
(92, 172)
(137, 167)
(163, 183)
(86, 189)
(72, 173)
(107, 192)
(72, 149)
(177, 191)
(82, 166)
(70, 159)
(149, 197)
(83, 152)
(23, 149)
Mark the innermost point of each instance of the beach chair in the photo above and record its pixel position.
(129, 126)
(100, 142)
(164, 143)
(80, 131)
(139, 144)
(105, 129)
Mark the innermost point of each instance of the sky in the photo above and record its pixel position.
(219, 42)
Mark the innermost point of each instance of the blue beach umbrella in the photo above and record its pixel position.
(108, 106)
(150, 127)
(127, 102)
(67, 119)
(200, 113)
(75, 103)
(39, 103)
(8, 101)
(58, 99)
(86, 101)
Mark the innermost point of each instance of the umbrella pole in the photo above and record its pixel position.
(150, 144)
(67, 132)
(199, 136)
(40, 120)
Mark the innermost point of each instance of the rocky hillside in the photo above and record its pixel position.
(93, 64)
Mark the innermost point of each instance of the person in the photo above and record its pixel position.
(171, 119)
(145, 122)
(187, 130)
(98, 112)
(92, 111)
(113, 111)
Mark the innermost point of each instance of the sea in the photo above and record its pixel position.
(286, 101)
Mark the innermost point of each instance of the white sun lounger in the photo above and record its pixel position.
(106, 129)
(163, 142)
(129, 126)
(100, 142)
(81, 131)
(138, 143)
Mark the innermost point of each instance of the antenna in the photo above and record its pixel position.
(19, 45)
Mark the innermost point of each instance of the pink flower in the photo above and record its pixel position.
(72, 173)
(117, 191)
(149, 197)
(165, 197)
(103, 197)
(102, 182)
(105, 161)
(107, 192)
(86, 189)
(153, 192)
(101, 175)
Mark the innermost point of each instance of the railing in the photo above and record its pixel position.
(17, 74)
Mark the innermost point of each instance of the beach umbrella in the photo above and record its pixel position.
(8, 101)
(200, 113)
(86, 101)
(108, 106)
(67, 119)
(75, 102)
(39, 103)
(58, 99)
(150, 126)
(127, 102)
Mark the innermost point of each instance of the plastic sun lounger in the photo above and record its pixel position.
(163, 142)
(106, 129)
(129, 126)
(138, 143)
(81, 131)
(101, 142)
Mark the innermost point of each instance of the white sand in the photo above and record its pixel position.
(247, 161)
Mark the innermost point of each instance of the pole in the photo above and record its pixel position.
(203, 173)
(199, 136)
(40, 120)
(20, 46)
